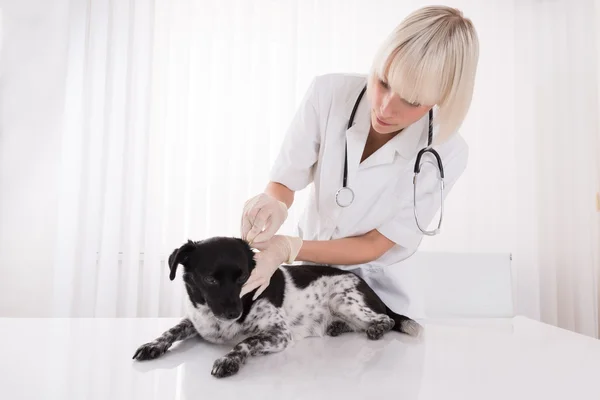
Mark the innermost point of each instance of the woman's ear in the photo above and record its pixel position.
(180, 256)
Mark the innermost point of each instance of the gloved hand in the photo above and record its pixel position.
(262, 212)
(274, 252)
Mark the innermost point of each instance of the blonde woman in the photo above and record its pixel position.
(427, 63)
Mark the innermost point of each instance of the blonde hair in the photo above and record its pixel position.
(431, 59)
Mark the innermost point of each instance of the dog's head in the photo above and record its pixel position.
(214, 271)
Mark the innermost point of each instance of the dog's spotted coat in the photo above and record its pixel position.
(300, 301)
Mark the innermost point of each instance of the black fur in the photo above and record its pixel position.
(304, 276)
(215, 270)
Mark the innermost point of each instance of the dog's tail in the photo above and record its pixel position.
(404, 324)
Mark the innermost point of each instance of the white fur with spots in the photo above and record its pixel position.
(305, 312)
(328, 305)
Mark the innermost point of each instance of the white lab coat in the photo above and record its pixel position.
(313, 153)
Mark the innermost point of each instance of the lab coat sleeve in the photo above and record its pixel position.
(299, 151)
(402, 229)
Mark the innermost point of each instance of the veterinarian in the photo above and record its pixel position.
(365, 133)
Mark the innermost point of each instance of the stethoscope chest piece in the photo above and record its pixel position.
(344, 196)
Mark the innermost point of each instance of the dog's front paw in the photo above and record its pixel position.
(226, 366)
(150, 351)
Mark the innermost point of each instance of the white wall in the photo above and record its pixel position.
(36, 34)
(31, 98)
(498, 198)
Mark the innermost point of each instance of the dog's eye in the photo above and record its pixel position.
(210, 280)
(243, 278)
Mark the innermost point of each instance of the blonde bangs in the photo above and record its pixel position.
(417, 79)
(431, 59)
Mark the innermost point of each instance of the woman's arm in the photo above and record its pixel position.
(347, 251)
(281, 193)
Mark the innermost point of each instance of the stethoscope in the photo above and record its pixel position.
(345, 195)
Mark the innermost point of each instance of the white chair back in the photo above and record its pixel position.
(465, 285)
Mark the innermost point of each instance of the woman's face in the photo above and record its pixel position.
(389, 112)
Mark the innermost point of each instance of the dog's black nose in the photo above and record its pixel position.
(232, 314)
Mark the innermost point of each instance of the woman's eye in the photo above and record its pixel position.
(384, 84)
(412, 104)
(210, 280)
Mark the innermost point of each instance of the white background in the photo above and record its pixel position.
(119, 121)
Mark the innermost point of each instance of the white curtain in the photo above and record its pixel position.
(175, 110)
(557, 153)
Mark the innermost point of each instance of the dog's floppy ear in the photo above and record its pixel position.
(250, 253)
(180, 256)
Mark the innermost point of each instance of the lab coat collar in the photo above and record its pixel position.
(406, 144)
(356, 135)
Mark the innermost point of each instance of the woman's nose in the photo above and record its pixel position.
(386, 109)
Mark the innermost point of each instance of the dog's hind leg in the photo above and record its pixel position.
(184, 330)
(272, 340)
(336, 328)
(360, 318)
(347, 303)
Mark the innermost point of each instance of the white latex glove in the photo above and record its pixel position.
(274, 252)
(262, 212)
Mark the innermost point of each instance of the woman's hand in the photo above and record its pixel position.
(262, 212)
(274, 252)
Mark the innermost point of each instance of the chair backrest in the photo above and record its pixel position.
(465, 284)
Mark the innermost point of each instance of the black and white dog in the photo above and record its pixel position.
(300, 301)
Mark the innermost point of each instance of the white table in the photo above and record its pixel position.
(483, 359)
